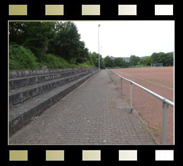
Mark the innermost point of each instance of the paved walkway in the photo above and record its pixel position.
(93, 114)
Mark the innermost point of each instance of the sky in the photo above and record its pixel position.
(126, 38)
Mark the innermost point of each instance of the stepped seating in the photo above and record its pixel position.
(32, 92)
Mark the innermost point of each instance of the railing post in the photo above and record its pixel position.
(121, 87)
(165, 106)
(131, 98)
(117, 80)
(114, 78)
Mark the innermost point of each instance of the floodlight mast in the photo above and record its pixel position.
(98, 49)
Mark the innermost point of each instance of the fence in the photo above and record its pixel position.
(165, 102)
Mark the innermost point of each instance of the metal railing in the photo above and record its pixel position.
(165, 102)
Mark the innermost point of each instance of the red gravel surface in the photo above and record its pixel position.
(148, 107)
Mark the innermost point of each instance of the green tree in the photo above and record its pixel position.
(16, 29)
(83, 55)
(66, 43)
(94, 58)
(102, 63)
(169, 59)
(108, 61)
(48, 39)
(119, 62)
(157, 57)
(32, 35)
(134, 60)
(161, 57)
(147, 60)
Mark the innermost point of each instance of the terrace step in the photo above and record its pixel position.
(21, 114)
(25, 73)
(24, 93)
(29, 80)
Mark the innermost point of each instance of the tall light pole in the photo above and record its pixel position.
(98, 49)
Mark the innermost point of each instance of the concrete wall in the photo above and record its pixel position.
(24, 73)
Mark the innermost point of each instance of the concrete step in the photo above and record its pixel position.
(24, 93)
(25, 73)
(29, 80)
(21, 114)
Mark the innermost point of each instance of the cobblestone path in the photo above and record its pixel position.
(93, 114)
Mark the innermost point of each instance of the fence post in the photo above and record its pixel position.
(165, 106)
(121, 87)
(111, 75)
(131, 107)
(117, 80)
(114, 78)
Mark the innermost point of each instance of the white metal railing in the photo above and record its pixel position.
(165, 101)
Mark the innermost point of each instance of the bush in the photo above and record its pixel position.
(21, 58)
(15, 65)
(86, 64)
(53, 61)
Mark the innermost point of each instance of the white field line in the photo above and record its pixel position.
(149, 81)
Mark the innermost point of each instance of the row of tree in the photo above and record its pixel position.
(114, 62)
(161, 57)
(56, 38)
(63, 40)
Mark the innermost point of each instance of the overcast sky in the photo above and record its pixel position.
(126, 38)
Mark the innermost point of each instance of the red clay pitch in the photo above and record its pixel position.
(148, 107)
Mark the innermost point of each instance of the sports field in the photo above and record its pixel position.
(159, 80)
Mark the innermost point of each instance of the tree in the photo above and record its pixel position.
(109, 62)
(102, 63)
(61, 39)
(32, 35)
(161, 57)
(94, 58)
(134, 60)
(147, 60)
(16, 29)
(67, 42)
(119, 62)
(169, 59)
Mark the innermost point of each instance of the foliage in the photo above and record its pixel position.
(117, 62)
(93, 57)
(109, 62)
(32, 35)
(52, 61)
(22, 58)
(146, 61)
(58, 45)
(67, 44)
(56, 38)
(134, 60)
(161, 57)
